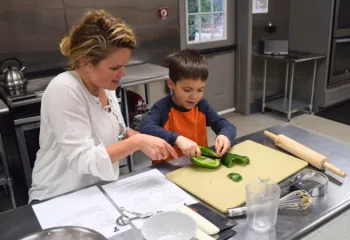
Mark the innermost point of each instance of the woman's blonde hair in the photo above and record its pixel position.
(96, 36)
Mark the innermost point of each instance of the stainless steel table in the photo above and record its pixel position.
(281, 104)
(22, 221)
(139, 74)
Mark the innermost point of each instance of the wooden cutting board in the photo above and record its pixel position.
(216, 189)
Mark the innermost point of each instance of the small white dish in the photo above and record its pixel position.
(169, 226)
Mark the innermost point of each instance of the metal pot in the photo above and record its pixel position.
(12, 76)
(66, 233)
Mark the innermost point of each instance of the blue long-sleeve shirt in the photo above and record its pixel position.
(167, 121)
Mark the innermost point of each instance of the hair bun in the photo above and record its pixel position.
(65, 46)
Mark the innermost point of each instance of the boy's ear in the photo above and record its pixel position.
(170, 83)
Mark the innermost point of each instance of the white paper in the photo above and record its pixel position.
(147, 192)
(260, 6)
(85, 208)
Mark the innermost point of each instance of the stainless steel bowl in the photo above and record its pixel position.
(66, 233)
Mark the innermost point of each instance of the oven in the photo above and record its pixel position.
(342, 19)
(340, 62)
(27, 134)
(21, 142)
(21, 138)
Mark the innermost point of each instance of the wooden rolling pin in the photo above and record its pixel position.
(314, 158)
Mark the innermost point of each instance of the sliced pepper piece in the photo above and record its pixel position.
(235, 177)
(206, 162)
(208, 151)
(229, 159)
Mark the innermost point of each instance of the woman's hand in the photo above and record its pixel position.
(155, 147)
(222, 144)
(187, 146)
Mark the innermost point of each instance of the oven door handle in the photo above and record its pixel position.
(342, 40)
(26, 120)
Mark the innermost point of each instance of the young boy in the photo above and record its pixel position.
(181, 119)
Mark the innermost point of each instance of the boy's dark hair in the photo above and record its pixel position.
(187, 63)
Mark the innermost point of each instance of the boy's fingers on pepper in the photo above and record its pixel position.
(218, 146)
(225, 148)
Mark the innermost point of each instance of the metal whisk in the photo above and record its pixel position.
(298, 200)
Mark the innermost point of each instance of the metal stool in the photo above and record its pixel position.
(5, 178)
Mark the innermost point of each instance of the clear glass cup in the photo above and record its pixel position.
(262, 199)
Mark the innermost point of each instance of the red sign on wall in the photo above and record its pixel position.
(163, 13)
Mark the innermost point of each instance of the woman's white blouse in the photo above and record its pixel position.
(74, 131)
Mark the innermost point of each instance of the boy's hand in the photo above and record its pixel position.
(188, 147)
(222, 144)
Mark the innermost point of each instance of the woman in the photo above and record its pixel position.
(82, 132)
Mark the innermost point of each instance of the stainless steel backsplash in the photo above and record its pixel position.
(31, 30)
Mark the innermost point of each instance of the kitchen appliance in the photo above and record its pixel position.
(339, 71)
(273, 47)
(341, 18)
(66, 233)
(305, 153)
(11, 71)
(217, 190)
(339, 68)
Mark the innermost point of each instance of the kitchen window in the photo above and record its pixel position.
(206, 20)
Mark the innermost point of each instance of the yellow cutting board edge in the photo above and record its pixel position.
(216, 189)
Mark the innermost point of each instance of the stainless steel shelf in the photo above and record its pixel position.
(281, 105)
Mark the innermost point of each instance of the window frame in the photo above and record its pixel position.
(199, 13)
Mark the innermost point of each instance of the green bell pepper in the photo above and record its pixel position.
(206, 162)
(235, 177)
(208, 151)
(229, 159)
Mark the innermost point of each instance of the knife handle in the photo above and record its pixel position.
(235, 212)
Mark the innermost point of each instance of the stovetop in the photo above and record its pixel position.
(31, 92)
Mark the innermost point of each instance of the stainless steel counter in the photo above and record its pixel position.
(140, 74)
(22, 221)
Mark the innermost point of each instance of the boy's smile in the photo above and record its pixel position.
(187, 92)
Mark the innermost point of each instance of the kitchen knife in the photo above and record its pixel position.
(222, 222)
